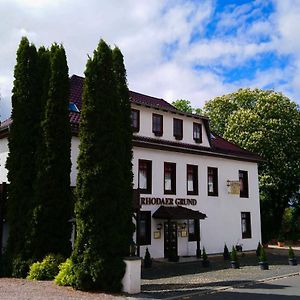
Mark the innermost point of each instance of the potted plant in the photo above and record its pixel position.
(234, 259)
(205, 261)
(147, 259)
(263, 261)
(258, 249)
(226, 254)
(280, 240)
(292, 258)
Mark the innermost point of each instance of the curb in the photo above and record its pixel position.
(238, 285)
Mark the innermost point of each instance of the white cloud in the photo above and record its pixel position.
(143, 28)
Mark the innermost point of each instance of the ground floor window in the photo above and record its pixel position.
(144, 228)
(193, 227)
(246, 225)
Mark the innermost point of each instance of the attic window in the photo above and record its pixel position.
(73, 107)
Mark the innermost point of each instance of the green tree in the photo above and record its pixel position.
(186, 106)
(99, 247)
(266, 123)
(22, 143)
(53, 207)
(126, 213)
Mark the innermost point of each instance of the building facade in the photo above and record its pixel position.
(193, 189)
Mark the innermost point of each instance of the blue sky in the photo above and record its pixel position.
(174, 49)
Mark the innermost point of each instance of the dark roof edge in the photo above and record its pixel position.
(174, 111)
(164, 145)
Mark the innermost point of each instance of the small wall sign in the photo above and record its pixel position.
(156, 234)
(233, 187)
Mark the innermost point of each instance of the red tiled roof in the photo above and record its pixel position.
(218, 144)
(76, 87)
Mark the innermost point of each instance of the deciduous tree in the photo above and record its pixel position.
(267, 123)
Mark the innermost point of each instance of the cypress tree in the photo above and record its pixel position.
(126, 212)
(52, 187)
(21, 159)
(99, 246)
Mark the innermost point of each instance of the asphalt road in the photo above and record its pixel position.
(285, 288)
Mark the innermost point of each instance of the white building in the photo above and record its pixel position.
(184, 175)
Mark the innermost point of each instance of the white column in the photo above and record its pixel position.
(132, 278)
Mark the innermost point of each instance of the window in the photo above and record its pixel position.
(170, 178)
(135, 120)
(194, 230)
(144, 237)
(178, 129)
(244, 190)
(192, 179)
(212, 181)
(157, 124)
(246, 225)
(197, 132)
(145, 176)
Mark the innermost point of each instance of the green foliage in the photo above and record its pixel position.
(20, 266)
(226, 254)
(258, 249)
(47, 269)
(204, 255)
(147, 259)
(263, 255)
(185, 105)
(267, 123)
(21, 166)
(104, 157)
(233, 254)
(66, 274)
(291, 253)
(52, 186)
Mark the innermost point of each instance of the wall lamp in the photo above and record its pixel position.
(159, 226)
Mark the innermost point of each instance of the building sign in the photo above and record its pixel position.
(167, 201)
(233, 187)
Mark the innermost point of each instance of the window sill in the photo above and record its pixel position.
(170, 192)
(192, 193)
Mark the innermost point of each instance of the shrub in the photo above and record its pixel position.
(258, 249)
(47, 269)
(204, 255)
(291, 253)
(147, 259)
(263, 255)
(226, 254)
(233, 255)
(66, 275)
(20, 267)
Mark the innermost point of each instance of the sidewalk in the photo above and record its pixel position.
(172, 281)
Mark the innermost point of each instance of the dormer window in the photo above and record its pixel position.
(157, 124)
(178, 129)
(197, 132)
(135, 120)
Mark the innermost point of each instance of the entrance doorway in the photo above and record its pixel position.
(170, 241)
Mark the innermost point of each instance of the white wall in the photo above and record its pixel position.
(223, 222)
(146, 126)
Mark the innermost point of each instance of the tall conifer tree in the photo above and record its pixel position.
(21, 159)
(125, 156)
(52, 189)
(99, 247)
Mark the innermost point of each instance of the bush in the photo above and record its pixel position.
(204, 255)
(263, 255)
(291, 253)
(20, 267)
(233, 255)
(47, 269)
(258, 249)
(66, 275)
(226, 254)
(147, 259)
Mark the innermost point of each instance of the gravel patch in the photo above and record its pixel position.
(23, 289)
